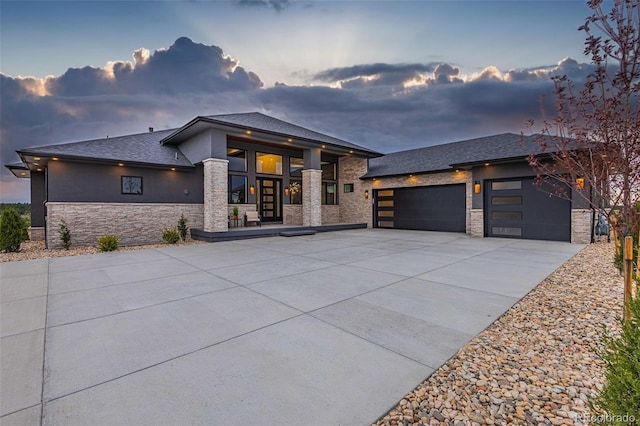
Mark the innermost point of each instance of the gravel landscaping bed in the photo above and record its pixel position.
(536, 365)
(35, 250)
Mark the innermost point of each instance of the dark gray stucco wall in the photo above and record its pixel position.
(207, 144)
(38, 197)
(84, 182)
(511, 170)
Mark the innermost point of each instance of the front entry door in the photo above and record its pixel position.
(269, 199)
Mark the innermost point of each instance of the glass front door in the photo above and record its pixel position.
(269, 199)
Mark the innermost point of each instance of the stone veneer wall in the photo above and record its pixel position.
(477, 223)
(311, 197)
(215, 195)
(354, 207)
(36, 233)
(292, 214)
(132, 223)
(581, 226)
(330, 214)
(443, 178)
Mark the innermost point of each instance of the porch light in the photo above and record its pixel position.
(580, 183)
(324, 146)
(286, 192)
(366, 194)
(252, 190)
(476, 187)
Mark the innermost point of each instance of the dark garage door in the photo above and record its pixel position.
(426, 208)
(515, 208)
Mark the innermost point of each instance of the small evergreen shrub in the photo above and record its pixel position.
(619, 401)
(65, 234)
(12, 232)
(182, 227)
(171, 235)
(108, 243)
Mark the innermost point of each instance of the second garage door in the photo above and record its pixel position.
(427, 208)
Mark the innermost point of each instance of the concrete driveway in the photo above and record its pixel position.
(330, 329)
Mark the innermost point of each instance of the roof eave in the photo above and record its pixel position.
(171, 138)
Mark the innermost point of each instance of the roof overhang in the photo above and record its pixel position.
(254, 134)
(19, 170)
(33, 160)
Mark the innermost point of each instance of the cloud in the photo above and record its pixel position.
(277, 5)
(385, 107)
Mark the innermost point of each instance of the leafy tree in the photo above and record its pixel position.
(594, 138)
(11, 231)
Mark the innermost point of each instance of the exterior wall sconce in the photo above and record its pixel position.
(476, 187)
(286, 192)
(252, 190)
(366, 194)
(580, 183)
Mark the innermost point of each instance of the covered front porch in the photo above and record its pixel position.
(269, 230)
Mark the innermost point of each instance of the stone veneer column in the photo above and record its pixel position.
(312, 197)
(215, 195)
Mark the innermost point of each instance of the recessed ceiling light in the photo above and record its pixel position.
(39, 170)
(120, 164)
(55, 158)
(248, 132)
(36, 158)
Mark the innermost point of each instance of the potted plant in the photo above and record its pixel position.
(235, 212)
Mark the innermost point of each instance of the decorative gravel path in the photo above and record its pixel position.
(536, 365)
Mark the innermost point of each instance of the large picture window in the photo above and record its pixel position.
(329, 193)
(237, 159)
(268, 164)
(295, 192)
(328, 170)
(295, 166)
(131, 185)
(237, 189)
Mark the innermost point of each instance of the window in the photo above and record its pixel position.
(131, 185)
(506, 215)
(348, 187)
(329, 193)
(237, 159)
(295, 166)
(505, 201)
(328, 170)
(268, 164)
(507, 230)
(295, 195)
(237, 189)
(512, 184)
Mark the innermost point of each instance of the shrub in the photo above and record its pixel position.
(65, 234)
(235, 211)
(620, 395)
(618, 258)
(108, 243)
(12, 232)
(182, 227)
(170, 235)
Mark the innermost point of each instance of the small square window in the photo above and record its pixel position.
(131, 185)
(348, 187)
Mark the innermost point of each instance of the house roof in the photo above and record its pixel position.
(258, 122)
(143, 148)
(498, 148)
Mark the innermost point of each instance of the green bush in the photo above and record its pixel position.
(12, 231)
(170, 235)
(617, 259)
(108, 243)
(182, 227)
(65, 234)
(619, 401)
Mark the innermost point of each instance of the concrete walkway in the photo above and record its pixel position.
(330, 329)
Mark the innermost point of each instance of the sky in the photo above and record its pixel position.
(387, 75)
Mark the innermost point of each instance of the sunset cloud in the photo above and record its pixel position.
(385, 107)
